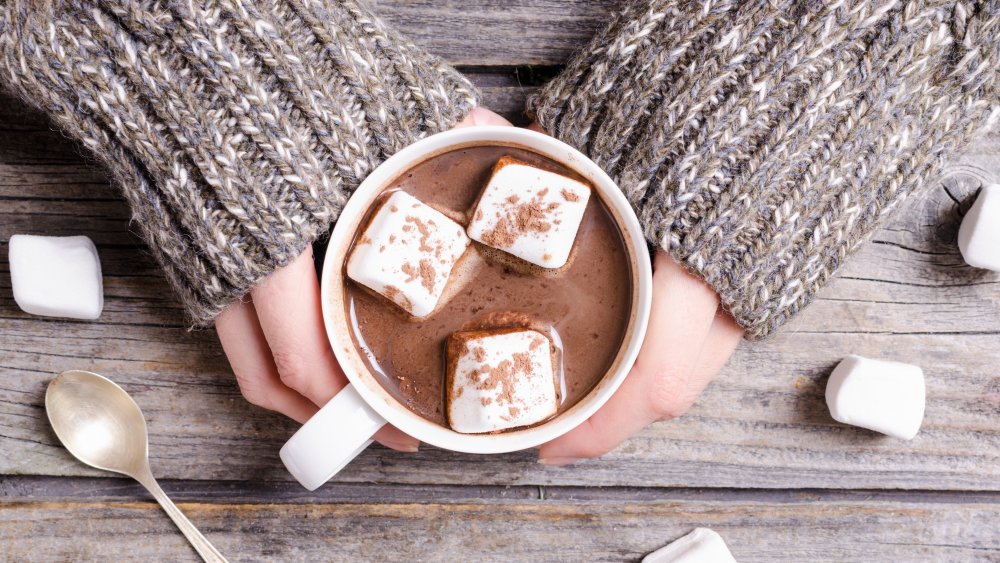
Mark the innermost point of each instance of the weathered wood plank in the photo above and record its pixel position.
(762, 424)
(540, 32)
(773, 432)
(503, 93)
(527, 531)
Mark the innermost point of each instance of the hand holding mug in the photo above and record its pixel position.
(276, 343)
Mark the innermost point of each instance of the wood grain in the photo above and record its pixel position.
(542, 530)
(536, 32)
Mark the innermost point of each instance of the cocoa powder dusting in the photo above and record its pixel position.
(501, 376)
(504, 375)
(479, 354)
(427, 275)
(570, 196)
(425, 232)
(501, 235)
(530, 217)
(474, 375)
(522, 363)
(410, 271)
(520, 218)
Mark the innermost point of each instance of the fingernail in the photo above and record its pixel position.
(557, 461)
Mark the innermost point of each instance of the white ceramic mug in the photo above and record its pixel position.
(345, 426)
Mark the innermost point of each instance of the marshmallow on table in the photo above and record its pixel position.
(879, 395)
(700, 546)
(531, 213)
(406, 253)
(979, 235)
(499, 379)
(56, 276)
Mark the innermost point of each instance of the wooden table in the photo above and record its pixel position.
(758, 458)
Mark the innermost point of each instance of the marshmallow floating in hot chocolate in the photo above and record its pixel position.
(499, 379)
(56, 276)
(879, 395)
(407, 252)
(530, 213)
(979, 235)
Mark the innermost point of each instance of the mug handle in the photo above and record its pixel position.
(329, 440)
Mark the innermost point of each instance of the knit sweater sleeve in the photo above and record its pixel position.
(236, 129)
(760, 142)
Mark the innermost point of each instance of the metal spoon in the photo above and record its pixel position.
(101, 425)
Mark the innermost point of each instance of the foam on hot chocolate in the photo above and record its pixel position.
(406, 253)
(530, 213)
(499, 379)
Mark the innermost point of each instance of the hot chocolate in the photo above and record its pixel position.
(583, 306)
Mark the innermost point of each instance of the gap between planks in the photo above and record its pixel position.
(43, 489)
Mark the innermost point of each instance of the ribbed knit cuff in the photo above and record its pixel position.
(760, 142)
(236, 128)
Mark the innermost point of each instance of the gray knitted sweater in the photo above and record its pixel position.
(759, 141)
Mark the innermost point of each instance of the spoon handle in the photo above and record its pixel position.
(198, 541)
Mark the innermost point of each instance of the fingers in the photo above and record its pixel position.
(678, 395)
(482, 116)
(288, 307)
(682, 318)
(245, 346)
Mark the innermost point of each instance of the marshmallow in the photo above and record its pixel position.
(879, 395)
(56, 276)
(979, 235)
(407, 252)
(531, 213)
(700, 546)
(499, 379)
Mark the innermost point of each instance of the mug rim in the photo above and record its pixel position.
(338, 324)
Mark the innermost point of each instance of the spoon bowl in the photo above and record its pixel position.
(102, 426)
(97, 421)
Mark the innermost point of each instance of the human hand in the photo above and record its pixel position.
(276, 343)
(688, 340)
